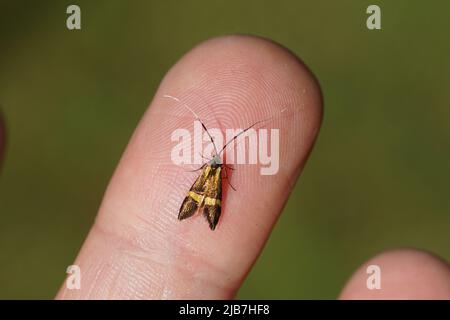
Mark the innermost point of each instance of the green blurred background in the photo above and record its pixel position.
(377, 179)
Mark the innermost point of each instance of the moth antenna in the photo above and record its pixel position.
(196, 118)
(228, 179)
(198, 169)
(248, 128)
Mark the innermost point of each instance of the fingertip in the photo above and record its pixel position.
(241, 79)
(259, 65)
(230, 82)
(403, 274)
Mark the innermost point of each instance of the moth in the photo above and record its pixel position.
(205, 195)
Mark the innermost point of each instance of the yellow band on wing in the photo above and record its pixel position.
(212, 202)
(208, 201)
(197, 197)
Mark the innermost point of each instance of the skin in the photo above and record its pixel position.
(137, 249)
(405, 274)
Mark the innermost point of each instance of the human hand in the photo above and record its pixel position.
(137, 249)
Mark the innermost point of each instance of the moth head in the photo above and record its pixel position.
(215, 161)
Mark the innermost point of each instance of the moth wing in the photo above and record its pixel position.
(213, 198)
(212, 215)
(194, 197)
(188, 208)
